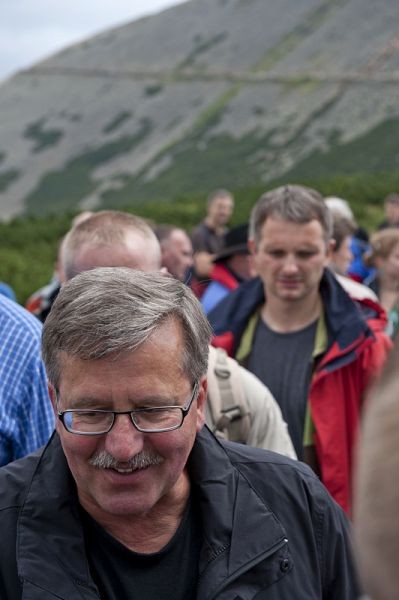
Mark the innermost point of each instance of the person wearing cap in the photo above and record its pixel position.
(231, 266)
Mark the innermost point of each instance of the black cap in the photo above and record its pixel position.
(234, 242)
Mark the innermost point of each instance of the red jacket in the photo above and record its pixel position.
(357, 348)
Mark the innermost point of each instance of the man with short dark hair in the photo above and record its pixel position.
(207, 237)
(133, 498)
(297, 329)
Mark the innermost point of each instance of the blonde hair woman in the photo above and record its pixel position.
(384, 256)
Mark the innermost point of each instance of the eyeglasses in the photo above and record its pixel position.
(147, 420)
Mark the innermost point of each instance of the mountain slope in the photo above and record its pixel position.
(209, 93)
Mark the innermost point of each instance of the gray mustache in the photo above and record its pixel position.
(103, 460)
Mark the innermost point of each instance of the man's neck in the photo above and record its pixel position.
(150, 532)
(218, 229)
(289, 316)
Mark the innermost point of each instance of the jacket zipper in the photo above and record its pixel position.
(249, 565)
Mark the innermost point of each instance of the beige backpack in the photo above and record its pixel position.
(227, 411)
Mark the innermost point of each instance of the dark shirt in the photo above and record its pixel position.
(205, 239)
(122, 574)
(283, 361)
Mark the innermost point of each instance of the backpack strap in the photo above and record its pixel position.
(227, 404)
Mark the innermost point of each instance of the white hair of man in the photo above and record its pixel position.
(340, 208)
(104, 230)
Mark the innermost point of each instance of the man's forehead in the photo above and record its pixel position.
(136, 251)
(168, 338)
(223, 200)
(276, 220)
(276, 228)
(180, 238)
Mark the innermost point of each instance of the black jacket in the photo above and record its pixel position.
(271, 531)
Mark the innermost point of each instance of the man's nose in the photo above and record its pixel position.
(290, 264)
(124, 440)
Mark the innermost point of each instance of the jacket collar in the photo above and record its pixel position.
(223, 275)
(346, 319)
(50, 545)
(231, 512)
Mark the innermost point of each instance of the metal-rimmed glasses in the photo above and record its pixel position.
(155, 419)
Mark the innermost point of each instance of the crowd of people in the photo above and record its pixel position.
(188, 408)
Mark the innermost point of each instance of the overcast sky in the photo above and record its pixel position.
(33, 29)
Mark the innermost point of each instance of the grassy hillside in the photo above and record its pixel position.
(28, 246)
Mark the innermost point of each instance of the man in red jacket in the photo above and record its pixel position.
(297, 329)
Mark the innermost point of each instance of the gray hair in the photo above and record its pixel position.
(295, 203)
(104, 228)
(340, 208)
(109, 311)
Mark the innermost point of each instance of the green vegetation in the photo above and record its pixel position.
(203, 161)
(200, 47)
(28, 246)
(63, 190)
(44, 138)
(7, 178)
(198, 165)
(377, 150)
(298, 34)
(117, 121)
(153, 89)
(28, 250)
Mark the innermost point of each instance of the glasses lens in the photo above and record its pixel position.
(86, 421)
(158, 418)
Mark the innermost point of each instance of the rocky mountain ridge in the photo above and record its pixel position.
(209, 93)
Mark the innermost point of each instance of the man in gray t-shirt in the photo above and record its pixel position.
(301, 333)
(283, 362)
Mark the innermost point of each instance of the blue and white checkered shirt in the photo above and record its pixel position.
(26, 415)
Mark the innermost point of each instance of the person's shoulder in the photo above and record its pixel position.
(15, 317)
(15, 479)
(285, 484)
(238, 303)
(200, 229)
(214, 293)
(355, 289)
(241, 455)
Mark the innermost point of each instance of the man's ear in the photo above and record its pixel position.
(251, 246)
(331, 245)
(53, 396)
(201, 401)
